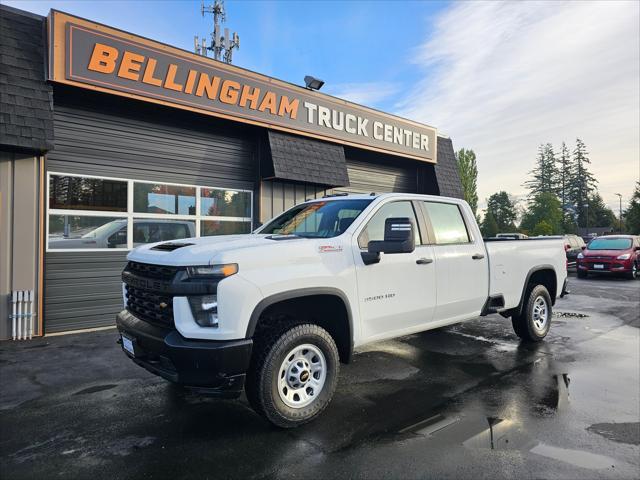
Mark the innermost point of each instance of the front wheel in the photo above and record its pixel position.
(293, 375)
(633, 273)
(535, 320)
(581, 274)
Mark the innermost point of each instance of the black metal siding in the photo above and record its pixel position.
(108, 136)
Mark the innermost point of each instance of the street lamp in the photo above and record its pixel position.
(620, 214)
(587, 219)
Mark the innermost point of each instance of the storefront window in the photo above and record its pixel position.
(155, 212)
(83, 232)
(159, 230)
(84, 193)
(215, 227)
(225, 203)
(164, 199)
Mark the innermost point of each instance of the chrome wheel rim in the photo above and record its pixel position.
(540, 313)
(634, 270)
(302, 375)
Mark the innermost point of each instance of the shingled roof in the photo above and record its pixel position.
(307, 160)
(447, 170)
(26, 117)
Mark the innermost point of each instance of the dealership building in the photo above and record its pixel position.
(109, 140)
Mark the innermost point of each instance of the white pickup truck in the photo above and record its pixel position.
(278, 310)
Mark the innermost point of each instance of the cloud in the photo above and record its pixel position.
(502, 78)
(371, 94)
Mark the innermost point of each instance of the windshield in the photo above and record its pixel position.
(610, 244)
(323, 219)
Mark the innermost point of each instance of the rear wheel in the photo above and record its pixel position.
(293, 375)
(535, 320)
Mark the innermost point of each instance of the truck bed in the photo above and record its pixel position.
(512, 260)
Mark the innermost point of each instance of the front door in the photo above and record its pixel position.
(397, 295)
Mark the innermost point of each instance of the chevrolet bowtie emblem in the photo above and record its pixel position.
(163, 305)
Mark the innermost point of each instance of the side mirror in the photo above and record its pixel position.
(637, 248)
(583, 247)
(399, 237)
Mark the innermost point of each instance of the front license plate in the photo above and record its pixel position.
(127, 344)
(598, 266)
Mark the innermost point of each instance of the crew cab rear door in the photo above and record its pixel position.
(398, 294)
(461, 263)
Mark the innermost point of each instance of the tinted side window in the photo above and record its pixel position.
(448, 224)
(375, 228)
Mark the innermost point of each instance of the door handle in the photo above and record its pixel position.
(478, 256)
(424, 261)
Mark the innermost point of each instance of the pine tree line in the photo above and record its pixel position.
(562, 196)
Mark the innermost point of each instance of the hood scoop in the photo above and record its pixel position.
(170, 246)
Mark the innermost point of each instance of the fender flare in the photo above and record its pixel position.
(518, 310)
(299, 293)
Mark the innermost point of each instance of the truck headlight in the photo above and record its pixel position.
(213, 271)
(580, 255)
(624, 257)
(205, 310)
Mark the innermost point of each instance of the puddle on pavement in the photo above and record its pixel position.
(569, 314)
(475, 431)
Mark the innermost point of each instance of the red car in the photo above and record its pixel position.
(610, 254)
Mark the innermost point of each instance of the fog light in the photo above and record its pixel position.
(205, 310)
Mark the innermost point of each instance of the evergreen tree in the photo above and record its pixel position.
(545, 173)
(599, 214)
(503, 211)
(489, 226)
(565, 167)
(468, 171)
(545, 210)
(581, 182)
(632, 213)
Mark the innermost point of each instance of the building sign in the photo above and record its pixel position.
(94, 56)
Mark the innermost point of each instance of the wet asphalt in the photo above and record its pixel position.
(467, 401)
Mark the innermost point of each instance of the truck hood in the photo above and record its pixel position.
(205, 250)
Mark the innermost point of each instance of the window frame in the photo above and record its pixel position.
(421, 227)
(432, 235)
(130, 214)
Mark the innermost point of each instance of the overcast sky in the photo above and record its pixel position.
(497, 77)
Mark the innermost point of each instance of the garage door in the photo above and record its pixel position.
(111, 148)
(369, 177)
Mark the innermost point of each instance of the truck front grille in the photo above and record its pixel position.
(149, 306)
(148, 270)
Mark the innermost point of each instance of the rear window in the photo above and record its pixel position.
(447, 222)
(610, 244)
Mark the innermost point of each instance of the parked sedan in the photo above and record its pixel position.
(610, 254)
(573, 247)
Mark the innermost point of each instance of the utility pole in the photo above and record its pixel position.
(219, 43)
(620, 211)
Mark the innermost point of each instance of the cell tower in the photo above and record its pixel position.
(221, 46)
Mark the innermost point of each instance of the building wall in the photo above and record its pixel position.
(130, 140)
(19, 231)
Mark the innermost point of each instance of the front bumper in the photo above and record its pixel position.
(216, 367)
(617, 266)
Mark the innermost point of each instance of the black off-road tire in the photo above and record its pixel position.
(526, 324)
(269, 351)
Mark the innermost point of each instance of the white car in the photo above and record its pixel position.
(113, 234)
(276, 311)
